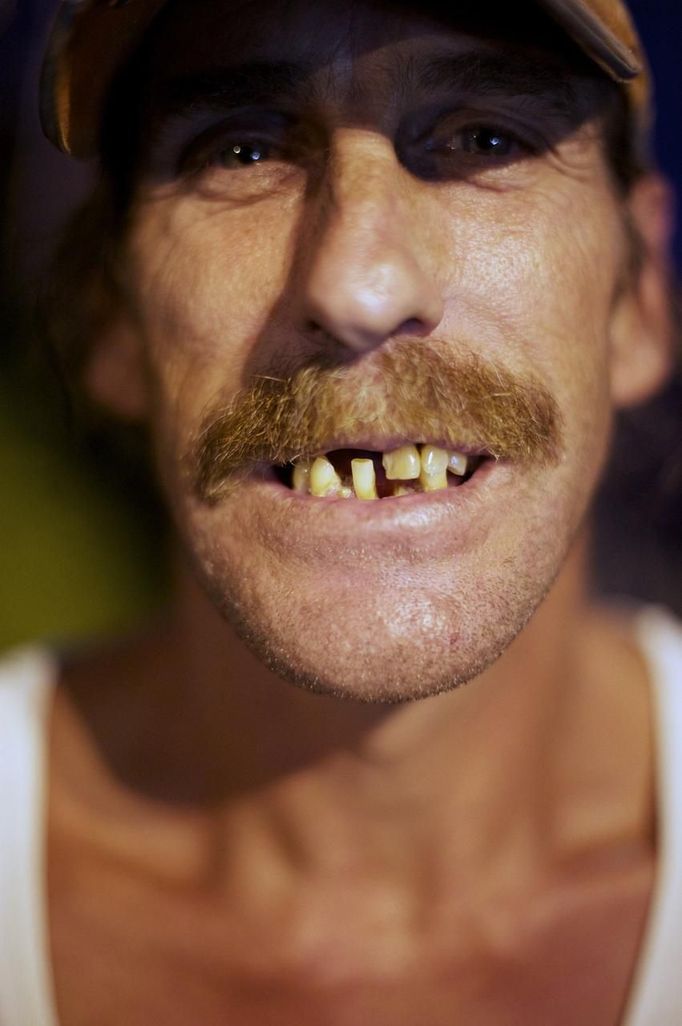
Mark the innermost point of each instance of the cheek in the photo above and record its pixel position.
(205, 280)
(545, 275)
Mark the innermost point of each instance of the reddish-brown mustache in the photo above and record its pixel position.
(410, 392)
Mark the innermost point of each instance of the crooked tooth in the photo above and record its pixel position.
(301, 476)
(402, 464)
(434, 468)
(458, 463)
(364, 479)
(324, 481)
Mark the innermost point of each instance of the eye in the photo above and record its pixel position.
(487, 141)
(241, 145)
(238, 155)
(228, 155)
(243, 163)
(460, 146)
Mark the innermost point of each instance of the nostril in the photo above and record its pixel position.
(414, 328)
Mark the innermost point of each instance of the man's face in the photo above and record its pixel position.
(350, 235)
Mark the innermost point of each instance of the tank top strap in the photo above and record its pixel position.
(26, 685)
(657, 994)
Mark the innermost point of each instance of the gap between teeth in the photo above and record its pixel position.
(410, 469)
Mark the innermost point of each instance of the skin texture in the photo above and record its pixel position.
(224, 847)
(338, 249)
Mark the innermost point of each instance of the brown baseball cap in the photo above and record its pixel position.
(92, 39)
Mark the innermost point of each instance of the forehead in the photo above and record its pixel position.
(270, 28)
(193, 35)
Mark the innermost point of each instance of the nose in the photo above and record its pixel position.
(367, 276)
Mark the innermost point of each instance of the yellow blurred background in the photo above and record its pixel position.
(80, 555)
(80, 545)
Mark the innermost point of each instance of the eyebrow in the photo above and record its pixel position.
(474, 73)
(490, 74)
(252, 83)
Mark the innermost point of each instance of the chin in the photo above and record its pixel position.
(385, 602)
(387, 645)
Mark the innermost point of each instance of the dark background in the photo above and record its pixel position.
(660, 23)
(81, 549)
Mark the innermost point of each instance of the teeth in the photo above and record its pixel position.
(324, 480)
(434, 471)
(458, 463)
(402, 464)
(364, 479)
(301, 476)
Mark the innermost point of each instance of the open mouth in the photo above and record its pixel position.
(367, 475)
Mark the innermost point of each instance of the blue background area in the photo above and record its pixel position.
(660, 23)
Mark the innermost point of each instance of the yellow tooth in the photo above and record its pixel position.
(324, 480)
(434, 472)
(364, 479)
(399, 490)
(301, 476)
(402, 464)
(458, 463)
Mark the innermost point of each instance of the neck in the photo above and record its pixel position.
(280, 728)
(345, 782)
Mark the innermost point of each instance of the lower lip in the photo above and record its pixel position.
(466, 512)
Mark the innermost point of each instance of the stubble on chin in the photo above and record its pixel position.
(404, 649)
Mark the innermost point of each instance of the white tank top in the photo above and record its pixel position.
(27, 681)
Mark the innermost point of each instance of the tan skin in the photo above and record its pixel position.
(227, 848)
